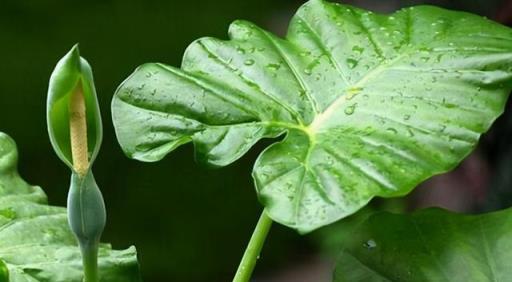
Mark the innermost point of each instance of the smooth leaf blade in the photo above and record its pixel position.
(428, 245)
(371, 104)
(35, 241)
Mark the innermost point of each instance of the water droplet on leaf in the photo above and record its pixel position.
(273, 67)
(352, 63)
(370, 244)
(350, 109)
(240, 50)
(358, 49)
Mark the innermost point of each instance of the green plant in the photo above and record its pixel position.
(36, 243)
(369, 105)
(366, 106)
(75, 129)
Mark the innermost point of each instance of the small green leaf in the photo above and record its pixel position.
(429, 245)
(72, 71)
(35, 241)
(371, 105)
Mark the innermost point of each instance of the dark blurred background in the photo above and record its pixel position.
(190, 223)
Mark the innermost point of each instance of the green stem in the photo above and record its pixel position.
(87, 218)
(252, 253)
(90, 261)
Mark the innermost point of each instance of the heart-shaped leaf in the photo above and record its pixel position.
(429, 245)
(35, 241)
(371, 105)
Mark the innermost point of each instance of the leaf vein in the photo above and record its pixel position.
(201, 83)
(490, 258)
(294, 71)
(250, 83)
(356, 168)
(325, 50)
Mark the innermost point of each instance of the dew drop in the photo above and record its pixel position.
(350, 109)
(249, 62)
(370, 244)
(352, 63)
(273, 67)
(358, 49)
(240, 50)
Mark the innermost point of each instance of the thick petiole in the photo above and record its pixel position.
(252, 253)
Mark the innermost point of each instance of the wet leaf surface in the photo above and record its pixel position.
(370, 105)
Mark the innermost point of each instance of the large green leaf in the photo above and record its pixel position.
(371, 105)
(35, 241)
(429, 245)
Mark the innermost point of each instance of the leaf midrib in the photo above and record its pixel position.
(320, 118)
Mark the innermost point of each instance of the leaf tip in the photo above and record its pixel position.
(75, 49)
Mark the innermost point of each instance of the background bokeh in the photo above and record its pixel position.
(190, 223)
